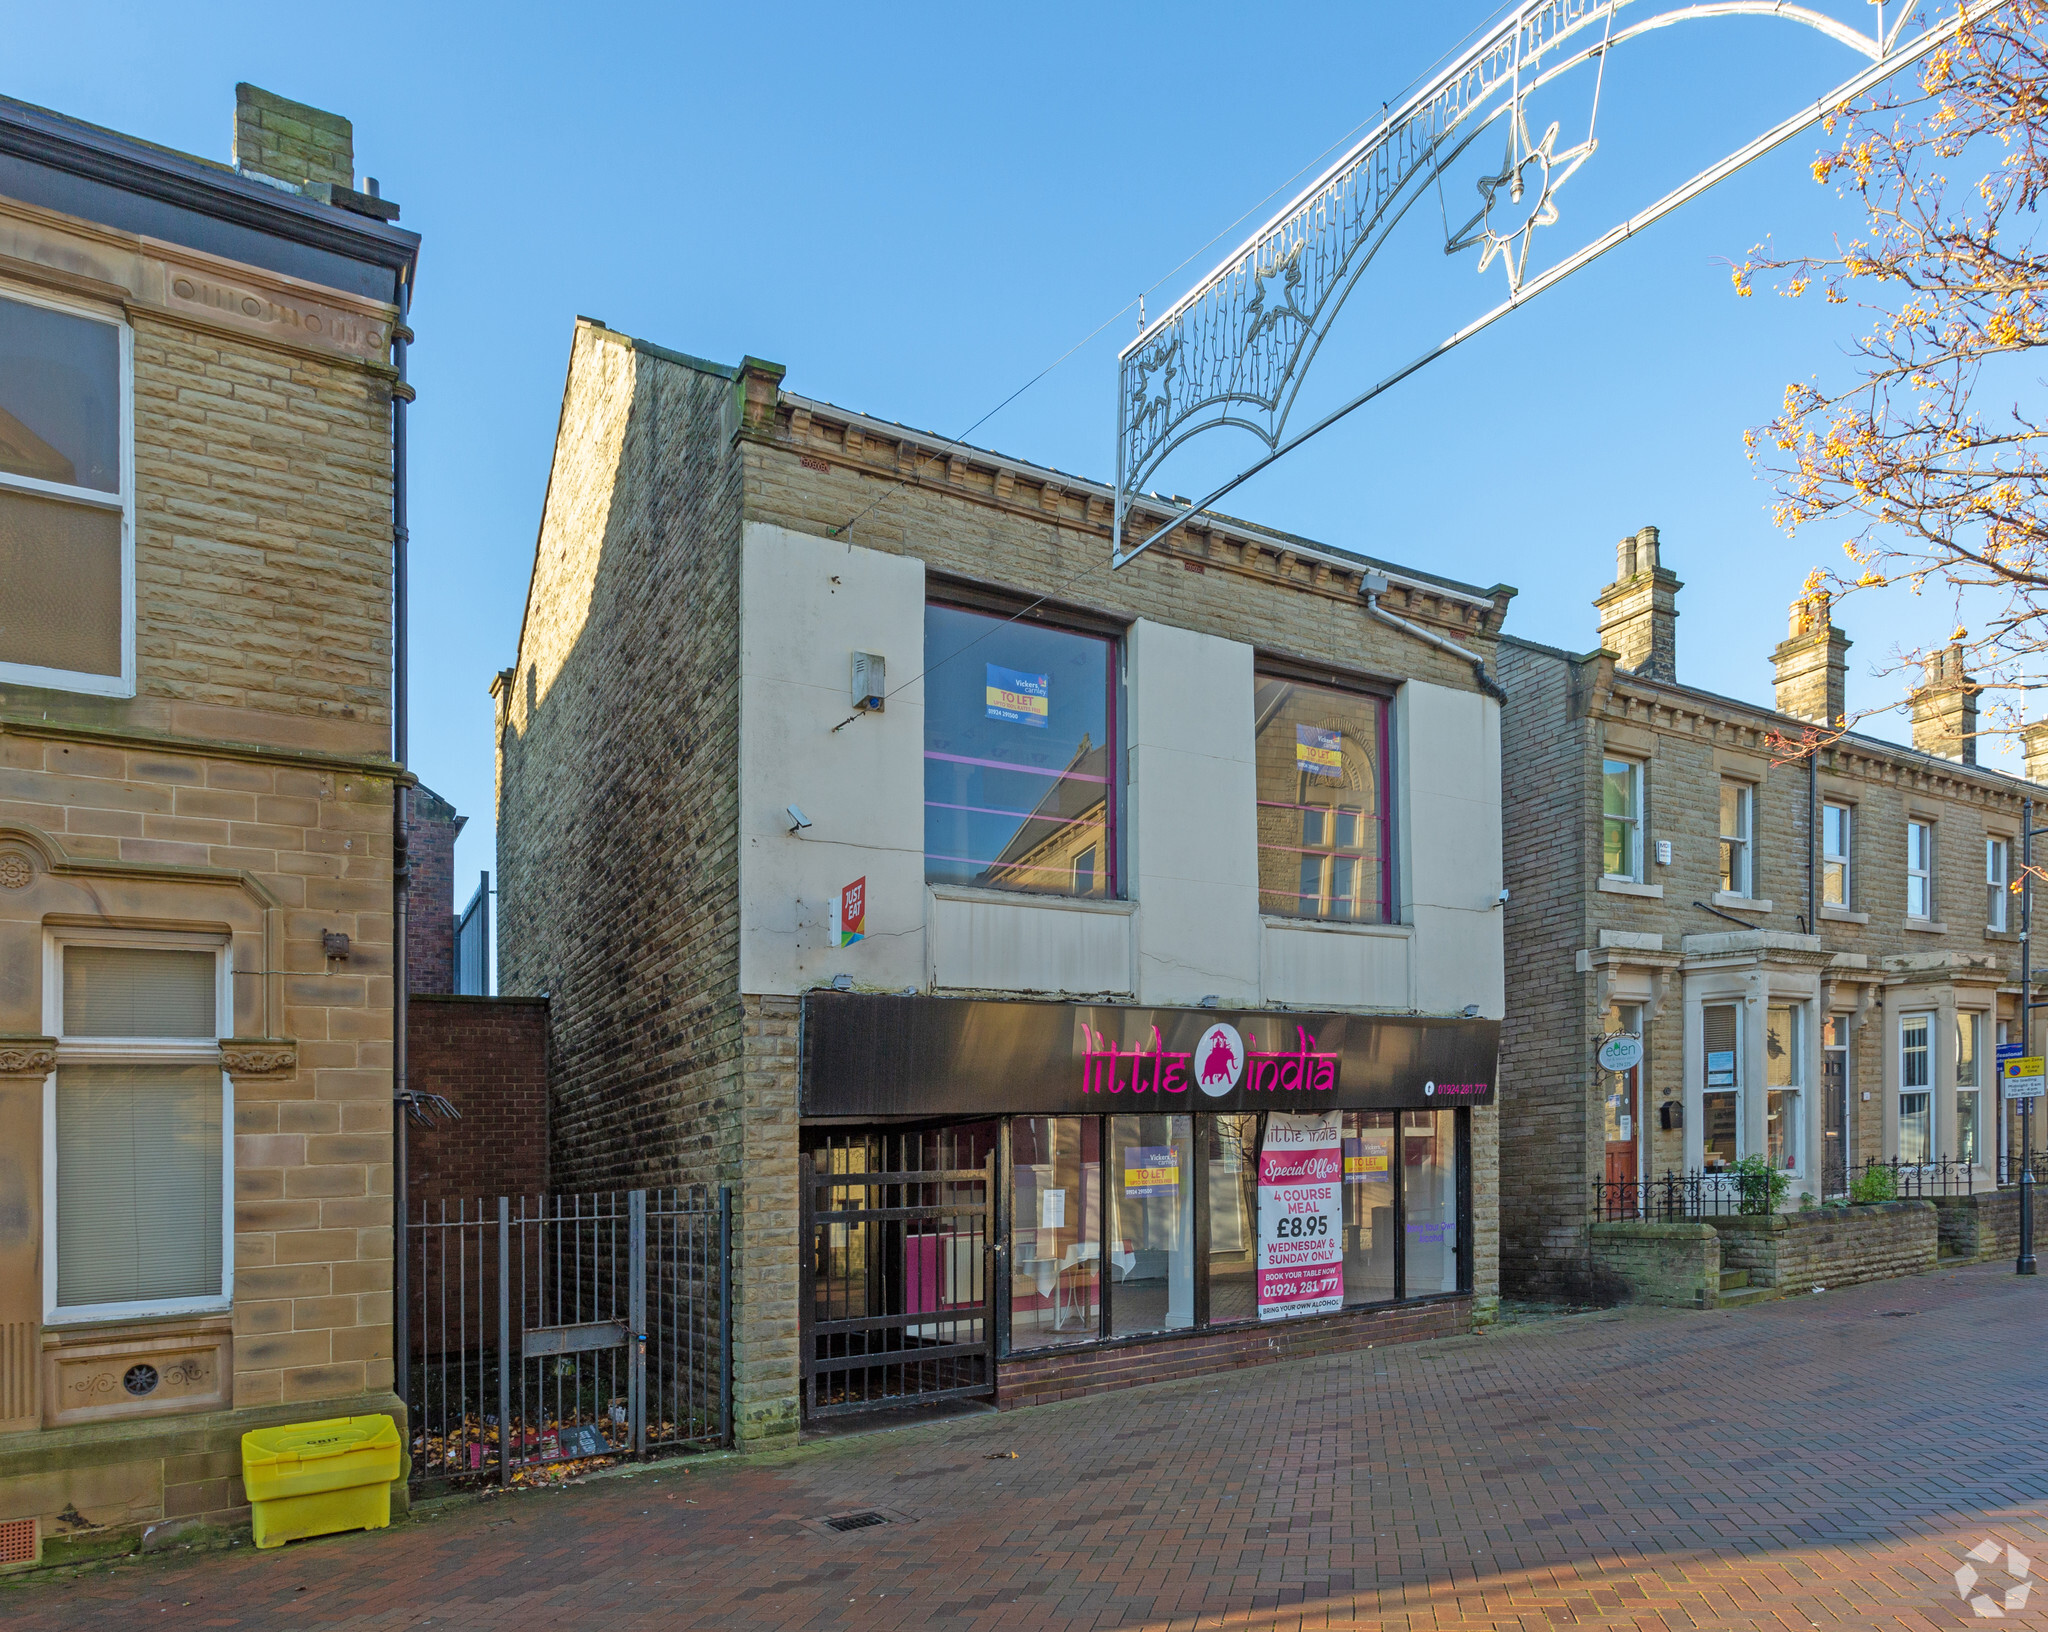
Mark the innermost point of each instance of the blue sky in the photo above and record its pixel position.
(917, 208)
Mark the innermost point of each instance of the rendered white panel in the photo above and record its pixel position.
(1193, 851)
(807, 604)
(986, 942)
(1336, 969)
(1449, 846)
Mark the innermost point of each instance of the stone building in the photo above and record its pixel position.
(196, 812)
(1819, 952)
(1226, 820)
(432, 827)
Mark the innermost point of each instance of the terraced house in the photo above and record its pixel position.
(1819, 952)
(1081, 976)
(196, 812)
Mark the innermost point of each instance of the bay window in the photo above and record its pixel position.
(1784, 1077)
(1021, 782)
(66, 500)
(1969, 1086)
(1916, 1088)
(1721, 1094)
(138, 1170)
(1321, 755)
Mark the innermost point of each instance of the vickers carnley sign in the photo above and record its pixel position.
(869, 1056)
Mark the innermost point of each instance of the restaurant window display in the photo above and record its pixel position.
(1368, 1206)
(1232, 1143)
(1055, 1230)
(1429, 1201)
(1152, 1233)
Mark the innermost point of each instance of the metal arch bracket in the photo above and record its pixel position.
(1235, 349)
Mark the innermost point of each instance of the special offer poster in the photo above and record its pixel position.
(1301, 1239)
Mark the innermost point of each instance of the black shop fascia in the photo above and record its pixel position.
(991, 1187)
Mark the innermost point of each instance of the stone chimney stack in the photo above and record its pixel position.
(1945, 708)
(1639, 610)
(288, 141)
(2034, 740)
(1812, 662)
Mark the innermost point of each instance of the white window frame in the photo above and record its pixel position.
(1997, 876)
(1926, 1019)
(1795, 1084)
(1923, 874)
(1743, 883)
(34, 674)
(134, 1051)
(1844, 860)
(1636, 822)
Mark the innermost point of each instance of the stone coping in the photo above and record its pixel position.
(39, 1450)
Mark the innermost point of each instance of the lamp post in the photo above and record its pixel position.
(2025, 1263)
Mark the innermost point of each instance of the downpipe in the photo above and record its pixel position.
(402, 394)
(1374, 585)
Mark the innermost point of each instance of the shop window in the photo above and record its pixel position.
(1621, 819)
(1784, 1077)
(66, 511)
(1997, 882)
(1919, 869)
(1322, 798)
(1721, 1095)
(1232, 1143)
(138, 1116)
(1368, 1206)
(1055, 1230)
(1916, 1091)
(1151, 1247)
(1834, 850)
(1737, 804)
(1429, 1201)
(1020, 779)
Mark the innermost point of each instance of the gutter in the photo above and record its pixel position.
(1375, 585)
(402, 1099)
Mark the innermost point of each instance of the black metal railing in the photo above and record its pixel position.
(1730, 1192)
(2010, 1167)
(553, 1334)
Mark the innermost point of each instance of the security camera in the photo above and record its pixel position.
(798, 821)
(1502, 897)
(1471, 1011)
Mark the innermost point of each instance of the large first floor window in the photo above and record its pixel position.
(1020, 764)
(1322, 801)
(1126, 1225)
(138, 1116)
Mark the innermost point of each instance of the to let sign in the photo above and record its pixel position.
(2024, 1077)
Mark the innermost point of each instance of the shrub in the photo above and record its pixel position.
(1875, 1184)
(1762, 1186)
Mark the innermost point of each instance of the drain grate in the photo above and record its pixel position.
(1897, 1314)
(855, 1521)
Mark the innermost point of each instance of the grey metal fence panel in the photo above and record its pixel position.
(553, 1333)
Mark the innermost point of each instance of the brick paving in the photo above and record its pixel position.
(1820, 1462)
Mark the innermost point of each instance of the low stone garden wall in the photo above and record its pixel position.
(1677, 1265)
(1986, 1225)
(1831, 1246)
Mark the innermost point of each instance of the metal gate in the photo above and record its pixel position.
(898, 1268)
(540, 1333)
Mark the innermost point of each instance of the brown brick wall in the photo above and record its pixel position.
(432, 827)
(489, 1057)
(1065, 1374)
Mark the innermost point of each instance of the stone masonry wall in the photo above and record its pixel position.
(1981, 1226)
(618, 859)
(1677, 1265)
(1549, 1158)
(1831, 1246)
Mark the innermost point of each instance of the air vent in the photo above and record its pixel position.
(856, 1521)
(18, 1541)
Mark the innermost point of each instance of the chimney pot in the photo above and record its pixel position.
(1625, 559)
(1646, 550)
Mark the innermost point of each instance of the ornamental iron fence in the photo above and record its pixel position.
(1728, 1192)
